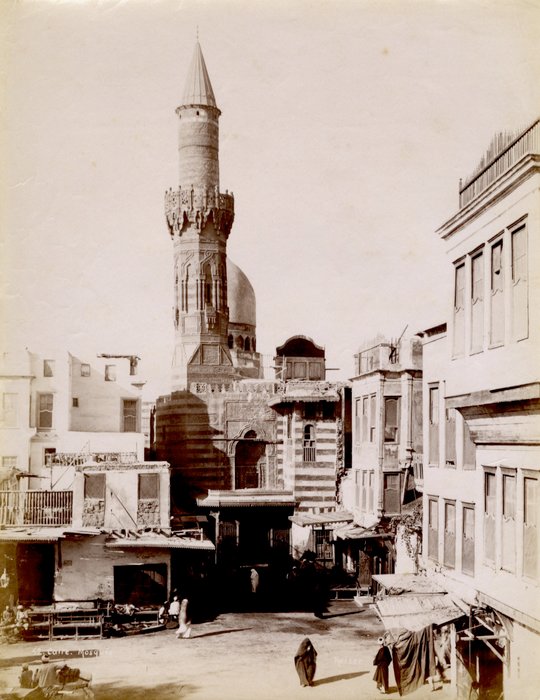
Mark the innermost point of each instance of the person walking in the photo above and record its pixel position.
(184, 623)
(305, 661)
(254, 577)
(382, 661)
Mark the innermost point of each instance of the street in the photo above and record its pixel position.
(237, 656)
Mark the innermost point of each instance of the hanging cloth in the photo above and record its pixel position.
(413, 657)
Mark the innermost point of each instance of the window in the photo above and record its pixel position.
(85, 370)
(449, 557)
(9, 410)
(48, 368)
(520, 310)
(310, 410)
(364, 490)
(230, 342)
(148, 486)
(357, 420)
(372, 415)
(434, 425)
(75, 402)
(508, 561)
(489, 516)
(288, 420)
(309, 443)
(300, 370)
(110, 373)
(207, 288)
(530, 527)
(433, 529)
(497, 294)
(469, 448)
(392, 499)
(358, 489)
(477, 303)
(48, 456)
(94, 486)
(450, 437)
(129, 415)
(45, 411)
(467, 540)
(323, 545)
(315, 370)
(459, 309)
(371, 484)
(391, 419)
(365, 419)
(9, 462)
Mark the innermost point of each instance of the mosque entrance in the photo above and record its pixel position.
(249, 461)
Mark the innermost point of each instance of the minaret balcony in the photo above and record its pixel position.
(197, 205)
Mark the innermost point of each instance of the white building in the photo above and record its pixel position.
(482, 423)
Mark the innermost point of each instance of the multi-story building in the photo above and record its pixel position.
(385, 476)
(482, 423)
(82, 515)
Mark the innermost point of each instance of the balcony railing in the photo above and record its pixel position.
(77, 459)
(499, 160)
(45, 508)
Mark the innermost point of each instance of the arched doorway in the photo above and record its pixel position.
(249, 461)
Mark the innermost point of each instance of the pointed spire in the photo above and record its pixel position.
(198, 90)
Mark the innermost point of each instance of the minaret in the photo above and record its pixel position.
(199, 218)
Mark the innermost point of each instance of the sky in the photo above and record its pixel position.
(345, 129)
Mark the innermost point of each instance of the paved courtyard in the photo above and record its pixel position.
(237, 656)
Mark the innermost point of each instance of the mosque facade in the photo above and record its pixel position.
(258, 460)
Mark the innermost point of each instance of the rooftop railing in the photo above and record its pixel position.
(497, 163)
(77, 459)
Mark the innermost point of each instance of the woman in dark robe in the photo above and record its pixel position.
(382, 661)
(305, 661)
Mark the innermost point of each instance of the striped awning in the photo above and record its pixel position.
(160, 542)
(414, 612)
(330, 518)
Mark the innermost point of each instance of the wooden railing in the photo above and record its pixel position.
(527, 142)
(43, 508)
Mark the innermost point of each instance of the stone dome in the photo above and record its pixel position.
(241, 297)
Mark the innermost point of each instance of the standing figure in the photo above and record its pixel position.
(174, 609)
(163, 613)
(184, 623)
(305, 661)
(382, 661)
(254, 576)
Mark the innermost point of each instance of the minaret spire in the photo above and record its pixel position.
(199, 218)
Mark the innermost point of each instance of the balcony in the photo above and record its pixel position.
(505, 151)
(42, 508)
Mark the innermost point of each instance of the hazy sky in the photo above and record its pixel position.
(345, 129)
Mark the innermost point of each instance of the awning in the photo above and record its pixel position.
(162, 542)
(414, 612)
(409, 583)
(332, 518)
(355, 532)
(247, 498)
(34, 535)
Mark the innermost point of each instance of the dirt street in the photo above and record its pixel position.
(238, 656)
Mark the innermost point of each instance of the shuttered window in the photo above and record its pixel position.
(497, 294)
(477, 303)
(467, 541)
(520, 292)
(433, 529)
(459, 310)
(94, 486)
(434, 425)
(489, 516)
(450, 535)
(509, 522)
(530, 528)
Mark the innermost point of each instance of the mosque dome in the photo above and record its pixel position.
(241, 296)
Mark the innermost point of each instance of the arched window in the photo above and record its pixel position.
(207, 281)
(309, 443)
(253, 344)
(239, 342)
(249, 461)
(230, 341)
(246, 344)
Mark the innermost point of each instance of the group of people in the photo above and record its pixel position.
(305, 661)
(176, 615)
(48, 676)
(13, 622)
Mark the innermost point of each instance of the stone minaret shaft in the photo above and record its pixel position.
(199, 218)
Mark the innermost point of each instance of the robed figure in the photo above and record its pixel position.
(305, 662)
